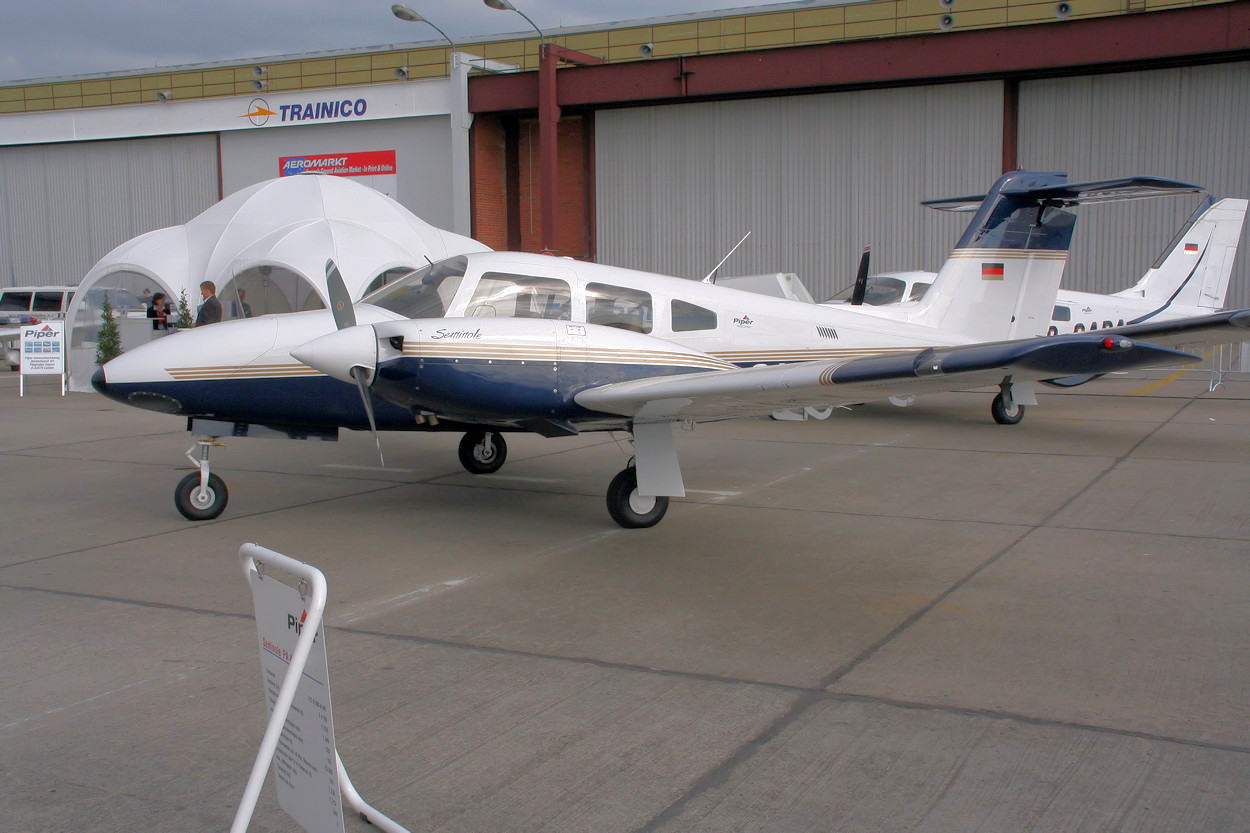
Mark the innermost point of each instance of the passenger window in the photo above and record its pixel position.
(15, 302)
(917, 291)
(688, 318)
(48, 301)
(521, 296)
(1062, 314)
(618, 306)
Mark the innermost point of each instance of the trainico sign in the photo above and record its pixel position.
(259, 111)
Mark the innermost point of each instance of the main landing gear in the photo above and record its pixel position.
(482, 451)
(1008, 405)
(201, 495)
(630, 509)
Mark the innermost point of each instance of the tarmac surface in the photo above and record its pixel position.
(895, 619)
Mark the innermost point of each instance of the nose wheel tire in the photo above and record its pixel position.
(630, 509)
(482, 452)
(1004, 415)
(197, 504)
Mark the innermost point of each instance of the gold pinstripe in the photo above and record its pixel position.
(253, 371)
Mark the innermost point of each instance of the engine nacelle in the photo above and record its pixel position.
(513, 370)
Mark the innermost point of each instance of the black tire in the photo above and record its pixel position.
(209, 506)
(1001, 415)
(628, 508)
(478, 457)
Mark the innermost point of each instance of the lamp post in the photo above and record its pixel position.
(549, 55)
(413, 16)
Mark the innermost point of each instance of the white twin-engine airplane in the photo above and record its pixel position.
(1190, 277)
(493, 342)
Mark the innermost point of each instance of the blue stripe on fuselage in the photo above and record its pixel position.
(310, 400)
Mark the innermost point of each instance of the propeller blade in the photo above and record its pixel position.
(861, 278)
(340, 298)
(363, 376)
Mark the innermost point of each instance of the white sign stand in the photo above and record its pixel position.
(42, 350)
(311, 780)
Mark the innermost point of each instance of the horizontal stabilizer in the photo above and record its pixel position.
(1128, 188)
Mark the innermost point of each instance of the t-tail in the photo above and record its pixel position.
(1000, 281)
(1195, 268)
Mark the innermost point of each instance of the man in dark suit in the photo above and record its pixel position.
(210, 308)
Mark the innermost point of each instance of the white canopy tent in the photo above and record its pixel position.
(267, 245)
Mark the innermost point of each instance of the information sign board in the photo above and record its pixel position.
(43, 349)
(304, 762)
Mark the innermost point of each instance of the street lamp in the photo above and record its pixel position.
(505, 6)
(413, 16)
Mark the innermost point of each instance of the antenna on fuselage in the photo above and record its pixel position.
(711, 276)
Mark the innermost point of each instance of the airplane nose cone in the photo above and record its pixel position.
(337, 353)
(99, 382)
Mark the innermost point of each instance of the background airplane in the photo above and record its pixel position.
(493, 342)
(1189, 278)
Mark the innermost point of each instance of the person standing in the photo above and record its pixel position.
(210, 307)
(158, 311)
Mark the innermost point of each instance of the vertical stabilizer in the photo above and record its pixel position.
(1195, 268)
(1001, 279)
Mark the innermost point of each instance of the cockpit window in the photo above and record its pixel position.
(917, 291)
(426, 293)
(882, 290)
(502, 295)
(618, 306)
(1061, 314)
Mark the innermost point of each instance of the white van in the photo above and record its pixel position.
(27, 305)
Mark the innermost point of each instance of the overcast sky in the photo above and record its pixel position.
(49, 38)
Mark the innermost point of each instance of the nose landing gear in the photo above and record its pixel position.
(201, 495)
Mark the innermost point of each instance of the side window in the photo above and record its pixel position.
(15, 302)
(618, 306)
(1062, 314)
(688, 318)
(520, 296)
(917, 291)
(48, 301)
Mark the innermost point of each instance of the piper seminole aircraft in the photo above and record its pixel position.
(492, 342)
(1190, 278)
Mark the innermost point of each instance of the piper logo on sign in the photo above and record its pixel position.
(43, 349)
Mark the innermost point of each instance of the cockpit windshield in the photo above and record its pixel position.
(425, 293)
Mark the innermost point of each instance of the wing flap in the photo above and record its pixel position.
(756, 391)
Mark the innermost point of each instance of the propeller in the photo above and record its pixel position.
(861, 278)
(345, 318)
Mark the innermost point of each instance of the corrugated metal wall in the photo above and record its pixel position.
(1188, 123)
(63, 207)
(815, 178)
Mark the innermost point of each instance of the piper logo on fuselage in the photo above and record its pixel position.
(744, 321)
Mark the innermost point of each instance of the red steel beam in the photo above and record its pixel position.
(1120, 41)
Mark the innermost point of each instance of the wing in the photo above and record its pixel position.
(1196, 331)
(755, 391)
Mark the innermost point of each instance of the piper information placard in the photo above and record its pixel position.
(43, 349)
(304, 763)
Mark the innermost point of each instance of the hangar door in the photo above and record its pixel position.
(64, 206)
(1186, 123)
(814, 178)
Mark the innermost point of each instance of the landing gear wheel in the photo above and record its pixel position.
(482, 452)
(197, 505)
(1002, 414)
(630, 509)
